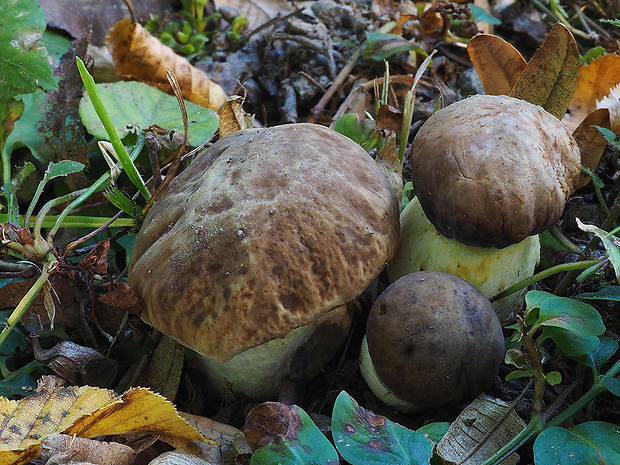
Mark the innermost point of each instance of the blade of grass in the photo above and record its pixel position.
(123, 157)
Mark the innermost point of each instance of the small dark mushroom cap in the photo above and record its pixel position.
(491, 170)
(434, 339)
(264, 232)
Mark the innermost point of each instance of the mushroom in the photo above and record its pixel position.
(491, 270)
(490, 172)
(432, 340)
(254, 250)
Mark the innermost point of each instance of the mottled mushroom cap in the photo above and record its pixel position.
(264, 232)
(491, 170)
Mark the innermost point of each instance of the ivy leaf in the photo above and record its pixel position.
(591, 442)
(363, 438)
(285, 434)
(571, 343)
(597, 357)
(572, 315)
(23, 66)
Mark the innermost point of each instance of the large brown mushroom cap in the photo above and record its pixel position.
(491, 170)
(264, 232)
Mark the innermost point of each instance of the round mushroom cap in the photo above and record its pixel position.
(264, 232)
(491, 170)
(434, 340)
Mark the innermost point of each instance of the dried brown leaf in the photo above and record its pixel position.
(388, 120)
(498, 63)
(591, 142)
(596, 80)
(232, 116)
(141, 56)
(550, 78)
(61, 448)
(479, 431)
(391, 166)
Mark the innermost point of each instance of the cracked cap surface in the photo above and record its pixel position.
(264, 232)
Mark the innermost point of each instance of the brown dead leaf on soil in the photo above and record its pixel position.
(232, 116)
(498, 64)
(591, 142)
(550, 77)
(139, 55)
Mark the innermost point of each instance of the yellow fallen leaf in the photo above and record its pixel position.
(139, 55)
(85, 412)
(391, 166)
(596, 80)
(498, 63)
(550, 77)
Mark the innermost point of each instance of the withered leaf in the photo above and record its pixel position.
(591, 142)
(63, 137)
(97, 259)
(498, 64)
(391, 166)
(232, 116)
(139, 55)
(125, 297)
(388, 120)
(596, 80)
(85, 412)
(550, 77)
(81, 450)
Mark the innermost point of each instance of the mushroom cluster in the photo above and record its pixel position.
(254, 250)
(432, 339)
(489, 171)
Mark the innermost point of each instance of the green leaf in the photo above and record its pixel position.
(607, 293)
(121, 201)
(63, 168)
(533, 301)
(613, 385)
(379, 46)
(363, 131)
(480, 15)
(23, 66)
(597, 357)
(135, 103)
(435, 431)
(287, 436)
(571, 343)
(516, 374)
(553, 378)
(55, 43)
(363, 438)
(594, 442)
(570, 314)
(24, 133)
(611, 243)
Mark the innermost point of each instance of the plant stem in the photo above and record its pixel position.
(27, 300)
(544, 274)
(102, 113)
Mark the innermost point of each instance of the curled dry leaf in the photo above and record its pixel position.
(591, 142)
(78, 364)
(498, 64)
(550, 77)
(141, 56)
(232, 116)
(61, 448)
(84, 412)
(596, 81)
